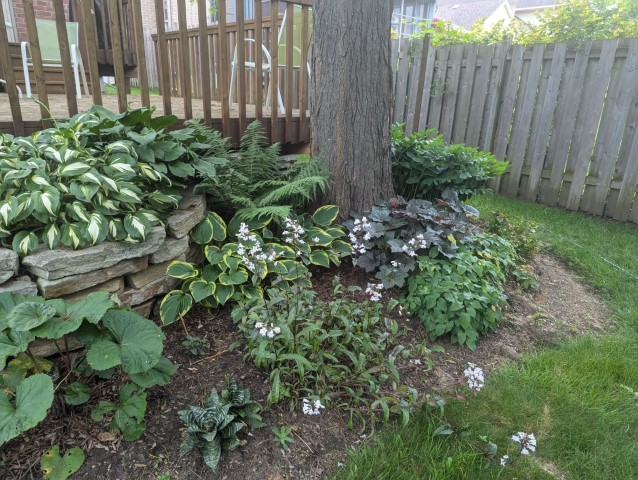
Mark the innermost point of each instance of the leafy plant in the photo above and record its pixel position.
(128, 413)
(195, 345)
(99, 176)
(389, 238)
(57, 467)
(256, 182)
(239, 269)
(213, 428)
(424, 166)
(343, 350)
(462, 296)
(520, 232)
(283, 437)
(111, 337)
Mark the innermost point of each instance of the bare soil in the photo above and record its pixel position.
(560, 307)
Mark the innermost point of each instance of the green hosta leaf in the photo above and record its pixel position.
(136, 345)
(29, 315)
(46, 201)
(236, 277)
(24, 242)
(317, 236)
(8, 210)
(51, 236)
(71, 235)
(76, 393)
(33, 398)
(253, 224)
(174, 306)
(203, 232)
(162, 122)
(326, 215)
(231, 262)
(181, 169)
(97, 228)
(137, 226)
(117, 232)
(319, 257)
(214, 254)
(219, 226)
(13, 342)
(56, 467)
(200, 289)
(341, 247)
(74, 169)
(223, 293)
(77, 211)
(182, 270)
(160, 374)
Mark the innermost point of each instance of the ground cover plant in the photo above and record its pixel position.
(573, 396)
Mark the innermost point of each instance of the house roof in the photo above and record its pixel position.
(465, 13)
(534, 3)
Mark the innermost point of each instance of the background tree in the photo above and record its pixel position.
(351, 99)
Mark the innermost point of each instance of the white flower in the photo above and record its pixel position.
(367, 236)
(267, 330)
(259, 325)
(316, 239)
(311, 408)
(394, 263)
(504, 460)
(527, 441)
(374, 291)
(475, 377)
(416, 361)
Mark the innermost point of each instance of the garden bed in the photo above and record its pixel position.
(560, 306)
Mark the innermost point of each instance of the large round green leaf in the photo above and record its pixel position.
(29, 315)
(137, 343)
(33, 398)
(182, 270)
(175, 305)
(326, 215)
(13, 342)
(76, 393)
(203, 232)
(236, 277)
(201, 289)
(160, 374)
(223, 293)
(319, 257)
(56, 467)
(219, 226)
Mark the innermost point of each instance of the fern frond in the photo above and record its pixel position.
(295, 192)
(276, 211)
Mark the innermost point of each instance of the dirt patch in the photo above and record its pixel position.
(560, 306)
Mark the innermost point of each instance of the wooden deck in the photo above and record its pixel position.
(59, 109)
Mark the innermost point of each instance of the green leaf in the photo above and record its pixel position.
(236, 277)
(174, 306)
(319, 257)
(219, 226)
(8, 210)
(203, 232)
(317, 236)
(29, 315)
(182, 270)
(13, 342)
(56, 467)
(200, 289)
(223, 293)
(33, 398)
(73, 169)
(137, 343)
(160, 374)
(137, 226)
(162, 122)
(326, 215)
(212, 452)
(51, 236)
(76, 393)
(24, 242)
(71, 235)
(97, 229)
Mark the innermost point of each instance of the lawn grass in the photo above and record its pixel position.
(571, 397)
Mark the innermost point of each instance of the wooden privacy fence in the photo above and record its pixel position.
(565, 116)
(193, 66)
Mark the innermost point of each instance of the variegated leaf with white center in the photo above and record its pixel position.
(8, 210)
(73, 169)
(51, 236)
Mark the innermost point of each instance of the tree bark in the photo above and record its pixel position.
(351, 99)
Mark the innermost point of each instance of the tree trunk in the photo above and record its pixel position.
(351, 99)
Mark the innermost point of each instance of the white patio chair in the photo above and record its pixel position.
(265, 67)
(281, 54)
(51, 56)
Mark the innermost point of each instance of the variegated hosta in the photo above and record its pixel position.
(239, 269)
(100, 176)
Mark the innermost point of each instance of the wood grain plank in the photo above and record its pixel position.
(496, 87)
(402, 82)
(467, 74)
(479, 95)
(184, 61)
(438, 89)
(9, 76)
(241, 60)
(164, 66)
(224, 67)
(36, 57)
(540, 137)
(290, 17)
(413, 88)
(629, 183)
(65, 53)
(258, 60)
(426, 97)
(142, 69)
(274, 73)
(204, 55)
(90, 35)
(508, 102)
(450, 100)
(413, 120)
(304, 126)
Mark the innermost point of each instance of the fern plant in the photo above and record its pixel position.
(255, 182)
(213, 428)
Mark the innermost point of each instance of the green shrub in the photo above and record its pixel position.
(99, 176)
(520, 232)
(112, 338)
(213, 428)
(341, 351)
(462, 296)
(424, 166)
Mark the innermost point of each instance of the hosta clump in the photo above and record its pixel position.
(213, 428)
(112, 338)
(462, 296)
(259, 251)
(424, 166)
(342, 351)
(388, 239)
(99, 176)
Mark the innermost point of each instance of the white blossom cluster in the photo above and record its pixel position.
(415, 244)
(374, 291)
(360, 227)
(527, 441)
(250, 249)
(504, 460)
(311, 408)
(475, 377)
(267, 329)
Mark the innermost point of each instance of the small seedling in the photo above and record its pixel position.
(195, 345)
(283, 437)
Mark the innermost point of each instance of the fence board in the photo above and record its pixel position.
(402, 81)
(290, 15)
(428, 79)
(140, 50)
(185, 63)
(241, 64)
(164, 65)
(495, 88)
(479, 95)
(451, 92)
(65, 54)
(509, 100)
(258, 62)
(9, 77)
(415, 80)
(223, 69)
(274, 78)
(304, 127)
(465, 94)
(36, 57)
(438, 88)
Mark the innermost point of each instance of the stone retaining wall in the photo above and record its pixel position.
(135, 273)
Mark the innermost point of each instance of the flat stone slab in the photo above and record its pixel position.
(137, 296)
(8, 261)
(144, 309)
(6, 275)
(190, 213)
(150, 274)
(169, 250)
(60, 263)
(76, 283)
(21, 285)
(114, 286)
